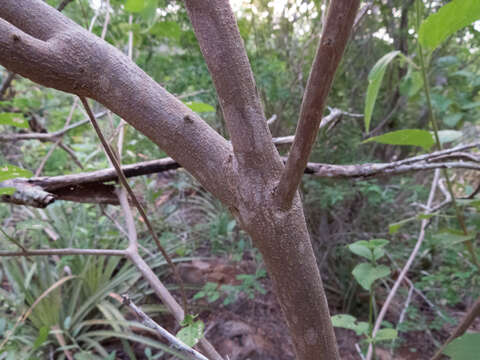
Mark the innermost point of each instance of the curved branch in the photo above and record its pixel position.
(67, 57)
(336, 32)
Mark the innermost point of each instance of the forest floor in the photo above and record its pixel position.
(254, 328)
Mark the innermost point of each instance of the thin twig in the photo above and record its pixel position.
(63, 4)
(134, 199)
(407, 265)
(58, 141)
(171, 339)
(64, 252)
(6, 84)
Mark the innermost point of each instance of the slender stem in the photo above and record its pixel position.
(123, 180)
(62, 252)
(147, 321)
(370, 319)
(433, 119)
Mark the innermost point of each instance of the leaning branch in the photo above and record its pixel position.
(222, 47)
(171, 339)
(336, 32)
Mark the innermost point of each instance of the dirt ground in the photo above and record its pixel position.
(254, 329)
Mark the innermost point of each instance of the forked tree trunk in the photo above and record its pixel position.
(37, 42)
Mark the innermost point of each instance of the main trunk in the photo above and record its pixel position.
(283, 239)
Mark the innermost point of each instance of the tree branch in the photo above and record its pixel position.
(335, 34)
(171, 339)
(90, 187)
(38, 42)
(222, 47)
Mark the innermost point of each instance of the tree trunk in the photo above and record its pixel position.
(38, 42)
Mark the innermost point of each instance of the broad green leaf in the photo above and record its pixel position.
(7, 190)
(366, 274)
(374, 81)
(377, 243)
(192, 333)
(385, 334)
(440, 102)
(413, 137)
(349, 322)
(13, 119)
(447, 136)
(466, 347)
(149, 11)
(189, 319)
(378, 253)
(469, 202)
(134, 6)
(453, 237)
(11, 172)
(467, 74)
(199, 107)
(371, 250)
(166, 29)
(448, 60)
(452, 120)
(449, 19)
(394, 227)
(360, 249)
(41, 338)
(472, 105)
(411, 84)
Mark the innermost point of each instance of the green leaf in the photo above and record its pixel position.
(149, 10)
(166, 29)
(371, 250)
(452, 120)
(471, 105)
(41, 338)
(449, 19)
(411, 84)
(466, 347)
(13, 119)
(377, 243)
(358, 248)
(192, 333)
(199, 107)
(413, 137)
(349, 322)
(374, 81)
(447, 136)
(11, 172)
(7, 190)
(366, 274)
(189, 319)
(385, 334)
(453, 237)
(134, 6)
